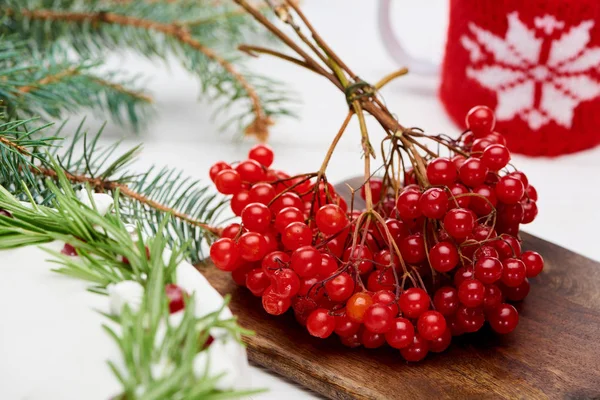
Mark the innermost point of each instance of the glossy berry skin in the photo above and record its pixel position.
(488, 269)
(228, 181)
(306, 261)
(331, 219)
(530, 211)
(521, 176)
(357, 305)
(344, 326)
(352, 341)
(376, 185)
(295, 235)
(517, 293)
(471, 293)
(470, 319)
(263, 154)
(216, 168)
(253, 246)
(531, 193)
(413, 302)
(485, 201)
(273, 303)
(378, 318)
(250, 171)
(443, 257)
(274, 261)
(431, 325)
(495, 157)
(514, 272)
(239, 201)
(256, 217)
(320, 324)
(408, 205)
(340, 288)
(507, 246)
(257, 281)
(231, 231)
(286, 216)
(285, 282)
(417, 350)
(401, 333)
(225, 254)
(457, 198)
(446, 300)
(441, 343)
(287, 199)
(371, 340)
(382, 279)
(329, 266)
(433, 203)
(70, 251)
(503, 319)
(441, 172)
(412, 249)
(492, 298)
(534, 263)
(480, 120)
(509, 190)
(262, 192)
(362, 253)
(176, 297)
(462, 274)
(473, 172)
(459, 223)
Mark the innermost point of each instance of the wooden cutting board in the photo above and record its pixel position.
(553, 353)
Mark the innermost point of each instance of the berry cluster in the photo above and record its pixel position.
(435, 255)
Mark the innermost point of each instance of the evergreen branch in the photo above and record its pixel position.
(117, 87)
(47, 80)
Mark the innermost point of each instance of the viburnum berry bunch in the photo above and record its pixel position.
(433, 253)
(436, 255)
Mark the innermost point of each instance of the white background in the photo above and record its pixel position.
(181, 134)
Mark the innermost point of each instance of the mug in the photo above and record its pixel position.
(536, 63)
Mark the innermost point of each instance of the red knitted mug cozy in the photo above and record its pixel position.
(535, 62)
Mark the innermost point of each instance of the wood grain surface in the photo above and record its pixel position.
(554, 352)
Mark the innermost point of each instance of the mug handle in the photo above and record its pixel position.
(394, 47)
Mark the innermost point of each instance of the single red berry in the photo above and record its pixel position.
(521, 176)
(495, 157)
(488, 269)
(239, 201)
(306, 261)
(509, 190)
(296, 234)
(361, 258)
(514, 272)
(216, 168)
(386, 298)
(507, 246)
(378, 318)
(273, 303)
(371, 340)
(376, 185)
(471, 293)
(225, 254)
(382, 279)
(443, 257)
(401, 333)
(352, 341)
(228, 181)
(470, 319)
(462, 274)
(253, 246)
(262, 192)
(517, 293)
(408, 205)
(287, 199)
(285, 282)
(273, 261)
(493, 297)
(303, 306)
(412, 249)
(357, 305)
(398, 229)
(251, 171)
(457, 198)
(497, 138)
(70, 251)
(320, 323)
(331, 219)
(414, 302)
(417, 350)
(480, 120)
(485, 251)
(458, 160)
(176, 297)
(256, 217)
(480, 144)
(231, 231)
(459, 223)
(384, 259)
(531, 193)
(345, 326)
(286, 216)
(441, 171)
(446, 300)
(441, 343)
(340, 288)
(241, 271)
(329, 266)
(485, 201)
(534, 263)
(530, 211)
(307, 284)
(263, 154)
(257, 281)
(431, 325)
(433, 203)
(503, 319)
(473, 172)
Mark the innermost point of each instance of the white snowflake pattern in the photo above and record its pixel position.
(540, 74)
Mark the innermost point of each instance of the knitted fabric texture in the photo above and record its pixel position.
(536, 63)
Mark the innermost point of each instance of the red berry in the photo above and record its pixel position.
(340, 288)
(381, 280)
(240, 272)
(473, 172)
(262, 193)
(376, 185)
(253, 246)
(231, 231)
(306, 261)
(470, 319)
(288, 199)
(480, 120)
(503, 319)
(507, 246)
(462, 274)
(441, 171)
(414, 302)
(493, 297)
(70, 251)
(495, 157)
(485, 251)
(303, 306)
(534, 263)
(351, 341)
(531, 193)
(459, 223)
(357, 305)
(261, 153)
(274, 303)
(256, 217)
(285, 282)
(530, 211)
(484, 202)
(384, 259)
(176, 297)
(257, 281)
(274, 261)
(250, 171)
(328, 266)
(344, 326)
(446, 300)
(386, 298)
(408, 205)
(433, 203)
(456, 199)
(286, 216)
(331, 219)
(509, 190)
(443, 257)
(517, 293)
(216, 168)
(295, 235)
(412, 249)
(471, 293)
(520, 176)
(441, 343)
(225, 254)
(371, 340)
(417, 350)
(320, 323)
(488, 269)
(401, 333)
(378, 318)
(228, 181)
(361, 258)
(239, 201)
(431, 325)
(458, 160)
(514, 272)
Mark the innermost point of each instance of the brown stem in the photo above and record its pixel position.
(387, 79)
(252, 50)
(121, 89)
(259, 127)
(50, 79)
